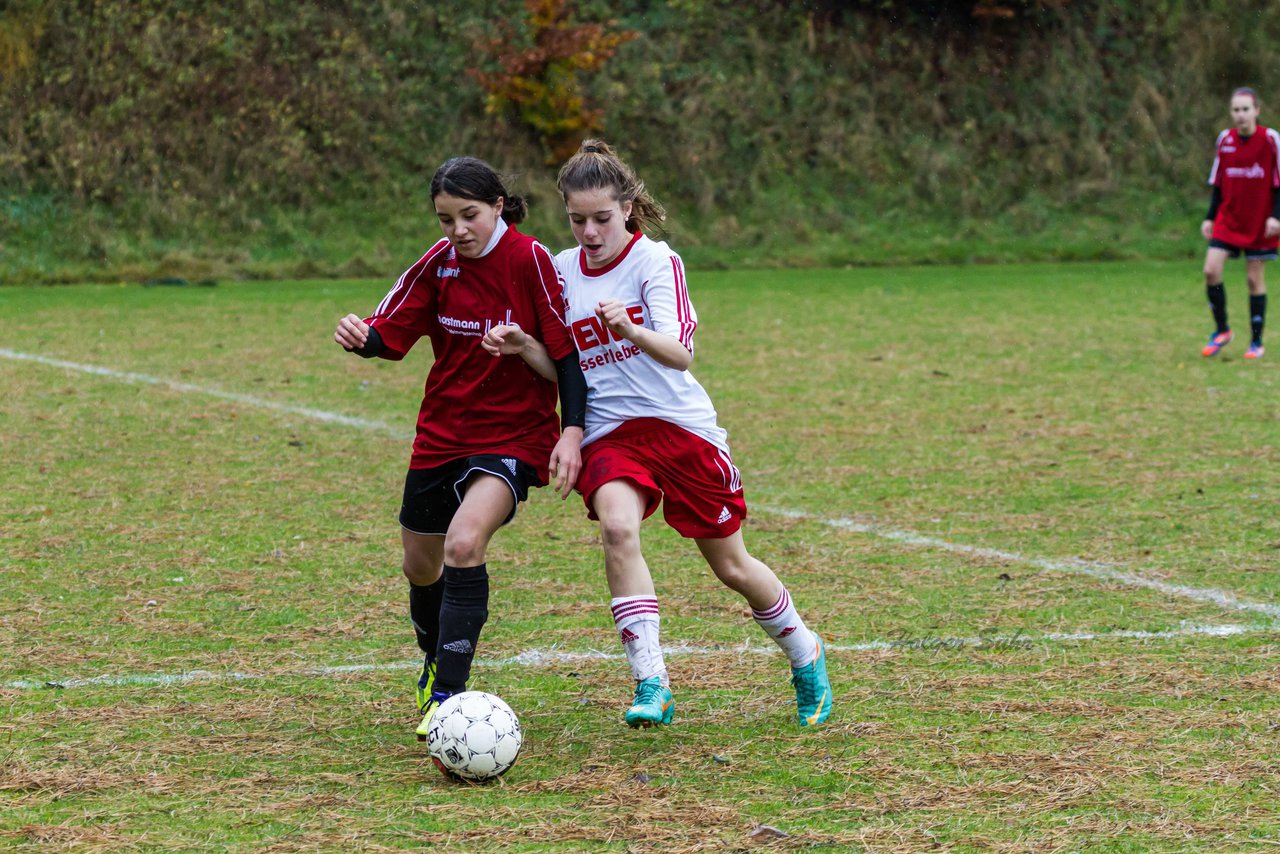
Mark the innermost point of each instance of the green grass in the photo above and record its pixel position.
(52, 242)
(1052, 412)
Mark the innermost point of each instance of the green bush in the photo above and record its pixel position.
(264, 130)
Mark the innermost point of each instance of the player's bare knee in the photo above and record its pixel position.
(420, 572)
(618, 535)
(464, 548)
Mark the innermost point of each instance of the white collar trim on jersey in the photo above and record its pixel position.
(498, 230)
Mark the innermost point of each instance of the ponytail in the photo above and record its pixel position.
(596, 167)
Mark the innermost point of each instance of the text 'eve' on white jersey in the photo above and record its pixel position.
(624, 382)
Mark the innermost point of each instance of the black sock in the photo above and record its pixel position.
(462, 615)
(1257, 316)
(1218, 303)
(424, 611)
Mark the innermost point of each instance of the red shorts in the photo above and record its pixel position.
(697, 483)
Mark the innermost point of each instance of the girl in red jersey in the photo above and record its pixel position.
(487, 426)
(652, 435)
(1244, 216)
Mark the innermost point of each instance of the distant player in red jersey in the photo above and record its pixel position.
(1243, 217)
(652, 435)
(487, 427)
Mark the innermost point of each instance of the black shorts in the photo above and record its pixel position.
(1249, 254)
(433, 496)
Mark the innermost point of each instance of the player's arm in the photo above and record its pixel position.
(1273, 221)
(566, 458)
(662, 348)
(1215, 201)
(358, 337)
(404, 315)
(510, 340)
(665, 330)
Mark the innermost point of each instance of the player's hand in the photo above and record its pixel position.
(614, 314)
(1206, 228)
(1273, 226)
(505, 339)
(566, 461)
(352, 332)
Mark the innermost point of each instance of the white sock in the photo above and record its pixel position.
(636, 618)
(783, 624)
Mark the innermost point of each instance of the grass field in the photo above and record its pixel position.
(1040, 533)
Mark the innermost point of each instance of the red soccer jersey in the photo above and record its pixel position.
(475, 403)
(1247, 172)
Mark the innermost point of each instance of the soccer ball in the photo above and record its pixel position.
(475, 736)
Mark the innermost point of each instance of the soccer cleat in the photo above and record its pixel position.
(1217, 341)
(428, 712)
(813, 688)
(1255, 351)
(653, 705)
(426, 681)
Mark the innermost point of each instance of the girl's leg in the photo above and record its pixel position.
(620, 505)
(1257, 305)
(487, 503)
(774, 612)
(423, 563)
(1215, 261)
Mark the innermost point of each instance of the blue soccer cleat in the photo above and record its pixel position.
(653, 705)
(813, 688)
(1255, 351)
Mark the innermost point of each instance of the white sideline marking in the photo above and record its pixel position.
(189, 388)
(1093, 569)
(1072, 565)
(546, 657)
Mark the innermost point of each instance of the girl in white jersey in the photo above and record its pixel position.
(651, 434)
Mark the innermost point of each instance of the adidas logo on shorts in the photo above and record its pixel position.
(462, 646)
(725, 516)
(511, 464)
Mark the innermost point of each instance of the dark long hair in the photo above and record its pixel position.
(472, 178)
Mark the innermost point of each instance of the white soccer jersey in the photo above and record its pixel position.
(624, 382)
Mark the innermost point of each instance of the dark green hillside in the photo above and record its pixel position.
(260, 137)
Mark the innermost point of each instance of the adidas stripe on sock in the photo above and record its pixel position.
(636, 619)
(783, 624)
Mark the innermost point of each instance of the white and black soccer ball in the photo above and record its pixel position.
(475, 736)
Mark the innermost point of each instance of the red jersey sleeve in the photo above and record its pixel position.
(548, 300)
(408, 310)
(1215, 171)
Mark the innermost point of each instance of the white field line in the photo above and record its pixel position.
(234, 397)
(553, 656)
(1093, 569)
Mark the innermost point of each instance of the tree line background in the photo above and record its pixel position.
(263, 137)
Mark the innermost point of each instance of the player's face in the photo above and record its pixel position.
(599, 224)
(467, 223)
(1244, 112)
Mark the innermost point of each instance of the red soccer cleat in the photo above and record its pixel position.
(1217, 341)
